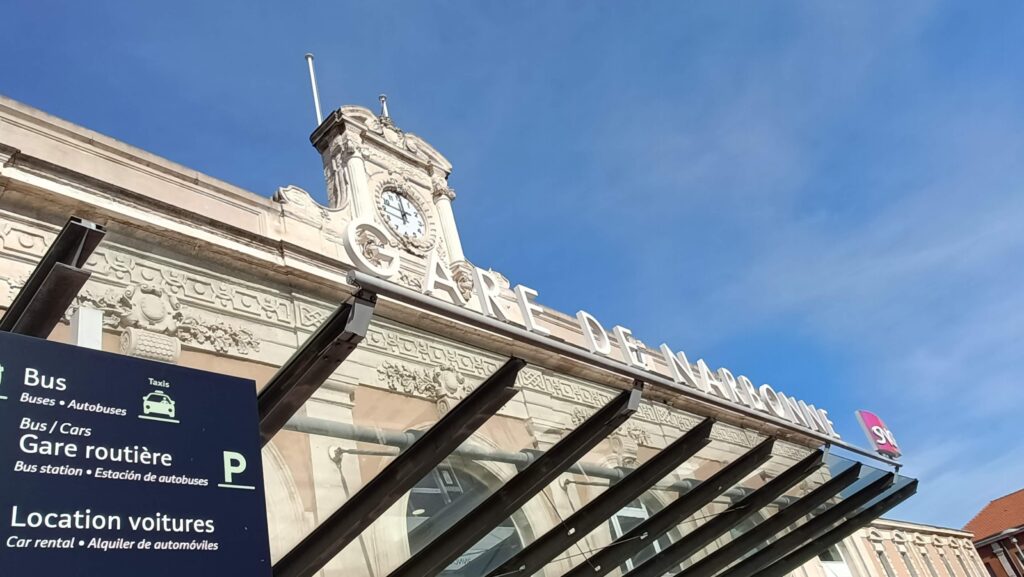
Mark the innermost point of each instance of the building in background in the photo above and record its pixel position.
(889, 548)
(998, 531)
(198, 272)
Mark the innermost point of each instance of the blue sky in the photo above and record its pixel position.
(822, 195)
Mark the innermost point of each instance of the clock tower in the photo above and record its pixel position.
(396, 185)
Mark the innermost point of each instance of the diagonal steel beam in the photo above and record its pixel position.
(55, 282)
(440, 553)
(811, 529)
(539, 553)
(844, 530)
(682, 549)
(641, 536)
(411, 465)
(315, 361)
(740, 546)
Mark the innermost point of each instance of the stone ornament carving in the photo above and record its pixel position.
(223, 337)
(151, 308)
(578, 415)
(637, 433)
(443, 385)
(396, 137)
(440, 187)
(409, 280)
(150, 345)
(310, 317)
(625, 450)
(462, 273)
(191, 287)
(370, 245)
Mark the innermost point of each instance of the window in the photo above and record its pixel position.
(625, 521)
(443, 497)
(889, 572)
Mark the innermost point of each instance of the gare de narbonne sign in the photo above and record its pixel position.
(115, 466)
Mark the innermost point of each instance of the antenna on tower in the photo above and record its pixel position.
(316, 93)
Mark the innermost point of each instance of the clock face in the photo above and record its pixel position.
(402, 214)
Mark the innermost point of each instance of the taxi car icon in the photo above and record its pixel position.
(158, 403)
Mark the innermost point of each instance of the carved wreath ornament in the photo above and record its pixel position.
(432, 383)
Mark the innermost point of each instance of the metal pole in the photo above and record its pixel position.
(316, 93)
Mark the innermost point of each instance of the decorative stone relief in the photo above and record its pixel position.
(443, 385)
(154, 311)
(223, 337)
(150, 345)
(192, 287)
(310, 317)
(625, 450)
(20, 239)
(440, 188)
(151, 308)
(437, 353)
(578, 415)
(462, 273)
(637, 433)
(432, 353)
(370, 245)
(792, 451)
(409, 280)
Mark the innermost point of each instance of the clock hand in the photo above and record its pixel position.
(405, 215)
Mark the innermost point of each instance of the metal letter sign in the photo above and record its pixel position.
(116, 466)
(880, 435)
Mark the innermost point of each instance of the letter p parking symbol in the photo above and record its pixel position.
(234, 464)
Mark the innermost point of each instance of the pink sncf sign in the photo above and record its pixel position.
(880, 435)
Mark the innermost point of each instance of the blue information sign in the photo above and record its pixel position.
(117, 466)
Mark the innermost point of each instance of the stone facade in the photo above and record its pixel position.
(888, 548)
(198, 272)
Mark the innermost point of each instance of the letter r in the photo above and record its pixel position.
(234, 464)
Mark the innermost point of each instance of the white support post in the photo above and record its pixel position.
(87, 328)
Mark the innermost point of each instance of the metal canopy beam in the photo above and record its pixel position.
(674, 513)
(315, 361)
(811, 529)
(539, 553)
(844, 530)
(55, 282)
(468, 530)
(682, 549)
(740, 546)
(568, 351)
(388, 486)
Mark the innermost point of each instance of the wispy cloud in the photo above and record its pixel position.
(913, 271)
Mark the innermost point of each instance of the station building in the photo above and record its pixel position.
(598, 454)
